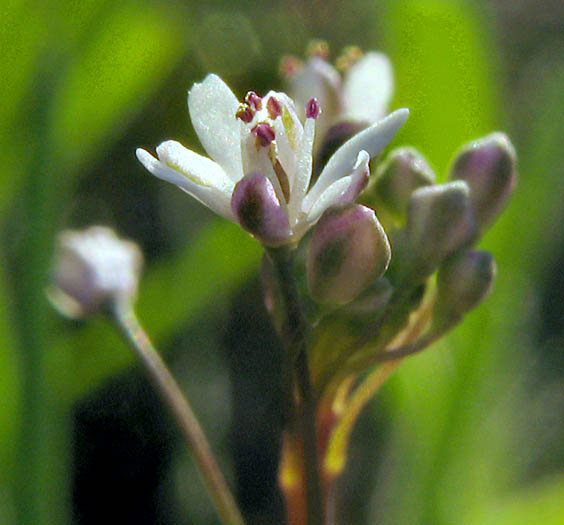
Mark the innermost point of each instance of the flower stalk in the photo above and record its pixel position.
(294, 333)
(181, 410)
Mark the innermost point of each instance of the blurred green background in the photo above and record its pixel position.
(469, 432)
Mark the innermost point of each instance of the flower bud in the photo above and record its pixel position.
(404, 171)
(439, 221)
(93, 269)
(348, 251)
(259, 211)
(371, 302)
(488, 166)
(463, 282)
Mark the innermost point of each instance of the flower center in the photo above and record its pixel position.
(260, 115)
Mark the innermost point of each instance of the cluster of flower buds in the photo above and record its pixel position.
(434, 276)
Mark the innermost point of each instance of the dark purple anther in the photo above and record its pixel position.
(264, 134)
(253, 100)
(245, 113)
(274, 108)
(313, 108)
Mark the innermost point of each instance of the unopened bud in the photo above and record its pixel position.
(488, 166)
(93, 269)
(259, 211)
(439, 222)
(404, 171)
(348, 251)
(463, 282)
(372, 301)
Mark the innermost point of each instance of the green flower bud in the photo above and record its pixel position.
(488, 166)
(463, 282)
(439, 222)
(348, 251)
(404, 171)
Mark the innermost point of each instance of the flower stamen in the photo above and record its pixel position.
(313, 109)
(264, 134)
(245, 113)
(290, 66)
(282, 177)
(274, 108)
(318, 48)
(348, 58)
(254, 100)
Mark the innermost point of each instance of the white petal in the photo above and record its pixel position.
(329, 197)
(286, 153)
(372, 140)
(212, 106)
(303, 170)
(214, 198)
(345, 189)
(199, 169)
(368, 88)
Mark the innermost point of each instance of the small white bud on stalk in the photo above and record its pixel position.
(93, 269)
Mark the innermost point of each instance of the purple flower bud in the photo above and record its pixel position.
(254, 100)
(404, 171)
(463, 282)
(259, 211)
(274, 108)
(488, 166)
(439, 222)
(348, 251)
(313, 109)
(264, 134)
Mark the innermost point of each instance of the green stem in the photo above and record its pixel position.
(182, 412)
(295, 334)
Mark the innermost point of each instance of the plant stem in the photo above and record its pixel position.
(182, 412)
(295, 333)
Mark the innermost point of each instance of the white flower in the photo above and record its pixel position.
(262, 161)
(361, 95)
(93, 268)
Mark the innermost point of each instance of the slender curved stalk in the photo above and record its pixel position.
(294, 334)
(336, 453)
(182, 412)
